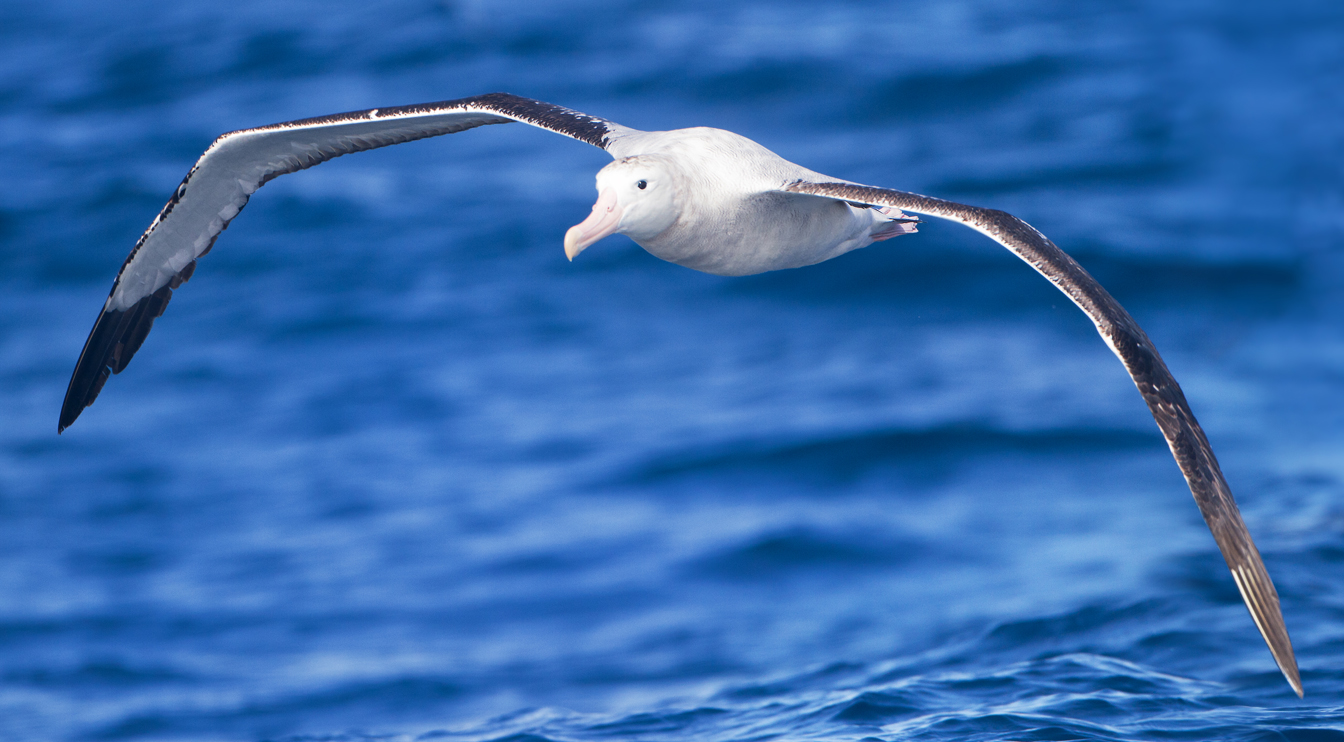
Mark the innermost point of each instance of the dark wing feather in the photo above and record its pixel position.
(238, 163)
(1165, 399)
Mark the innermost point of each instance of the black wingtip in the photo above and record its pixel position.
(115, 337)
(92, 368)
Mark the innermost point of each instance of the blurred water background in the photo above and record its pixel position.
(391, 468)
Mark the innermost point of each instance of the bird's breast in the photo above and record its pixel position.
(762, 232)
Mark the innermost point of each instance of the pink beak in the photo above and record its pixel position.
(604, 220)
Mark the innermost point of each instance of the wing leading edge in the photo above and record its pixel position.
(240, 162)
(1160, 391)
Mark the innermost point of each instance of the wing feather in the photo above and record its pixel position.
(240, 162)
(1160, 391)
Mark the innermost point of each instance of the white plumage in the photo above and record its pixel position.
(704, 198)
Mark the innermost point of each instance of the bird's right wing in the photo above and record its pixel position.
(1165, 399)
(240, 162)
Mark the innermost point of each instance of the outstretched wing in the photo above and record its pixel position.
(1164, 396)
(240, 162)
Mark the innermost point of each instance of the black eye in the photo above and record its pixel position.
(641, 185)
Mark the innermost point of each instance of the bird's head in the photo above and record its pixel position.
(637, 196)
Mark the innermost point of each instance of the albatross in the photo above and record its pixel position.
(704, 198)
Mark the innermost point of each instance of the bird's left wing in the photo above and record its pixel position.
(1165, 399)
(240, 162)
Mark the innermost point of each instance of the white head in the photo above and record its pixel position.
(637, 196)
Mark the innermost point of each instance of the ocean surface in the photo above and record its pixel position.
(391, 468)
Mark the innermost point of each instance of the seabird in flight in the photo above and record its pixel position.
(704, 198)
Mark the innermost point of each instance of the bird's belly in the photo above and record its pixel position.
(766, 235)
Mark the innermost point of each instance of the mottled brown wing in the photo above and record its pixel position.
(1159, 389)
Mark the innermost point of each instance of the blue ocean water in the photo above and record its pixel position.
(391, 468)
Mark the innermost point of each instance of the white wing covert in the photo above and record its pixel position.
(240, 162)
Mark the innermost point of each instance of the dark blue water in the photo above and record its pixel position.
(391, 468)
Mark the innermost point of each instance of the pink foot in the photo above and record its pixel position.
(901, 223)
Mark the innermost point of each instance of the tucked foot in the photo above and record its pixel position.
(898, 223)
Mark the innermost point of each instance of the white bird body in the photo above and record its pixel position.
(703, 198)
(728, 213)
